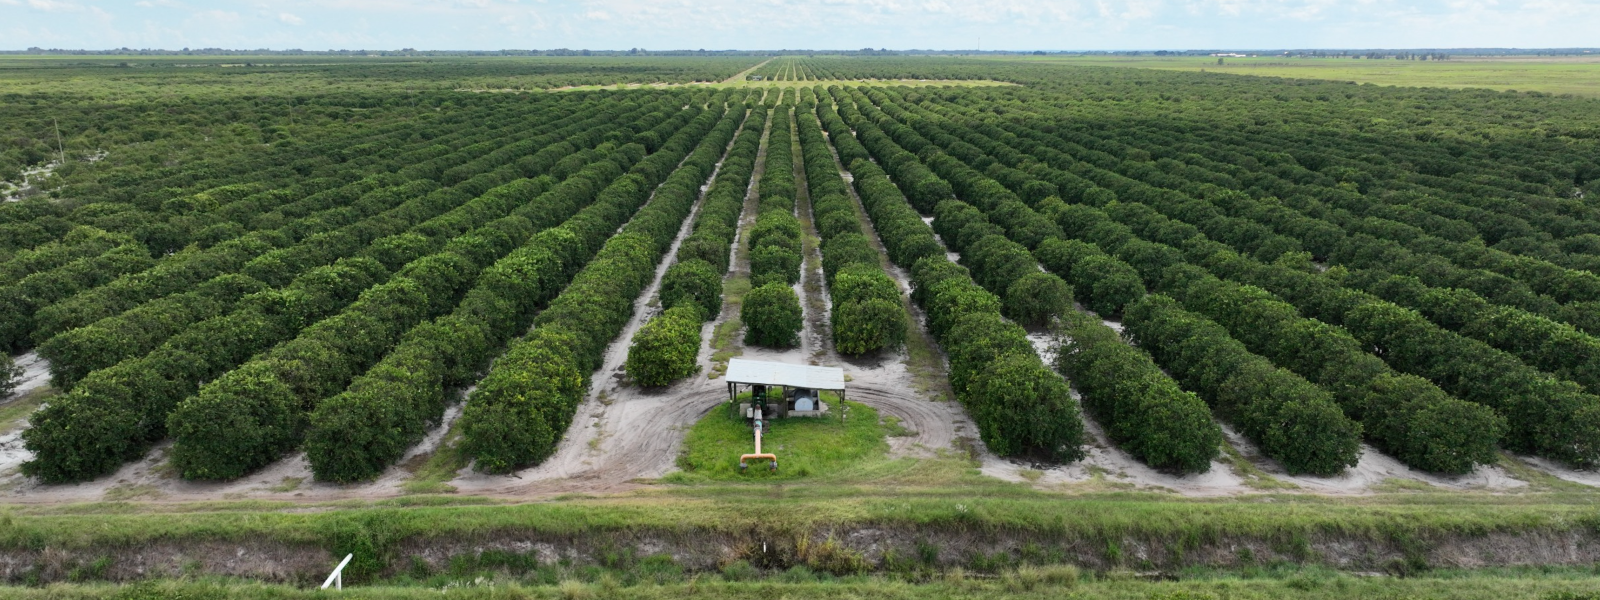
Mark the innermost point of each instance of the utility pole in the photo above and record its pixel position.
(61, 149)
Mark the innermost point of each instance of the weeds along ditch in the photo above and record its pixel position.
(1377, 305)
(843, 526)
(652, 580)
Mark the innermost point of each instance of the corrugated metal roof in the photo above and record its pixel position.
(771, 373)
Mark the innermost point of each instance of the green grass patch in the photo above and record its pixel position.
(130, 491)
(726, 334)
(894, 428)
(1397, 485)
(1538, 480)
(13, 412)
(430, 471)
(805, 447)
(1252, 476)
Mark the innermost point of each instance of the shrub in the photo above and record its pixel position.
(955, 298)
(696, 282)
(512, 418)
(666, 347)
(776, 240)
(775, 223)
(772, 317)
(866, 326)
(1036, 298)
(1103, 283)
(836, 223)
(847, 249)
(1025, 408)
(774, 264)
(250, 408)
(860, 282)
(1144, 410)
(997, 262)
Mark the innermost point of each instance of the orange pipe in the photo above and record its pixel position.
(758, 454)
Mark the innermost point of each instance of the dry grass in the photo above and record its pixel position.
(1553, 75)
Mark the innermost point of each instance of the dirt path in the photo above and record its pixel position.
(815, 302)
(746, 73)
(35, 373)
(739, 263)
(922, 400)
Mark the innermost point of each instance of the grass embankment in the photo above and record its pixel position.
(663, 581)
(925, 521)
(1551, 75)
(927, 495)
(806, 446)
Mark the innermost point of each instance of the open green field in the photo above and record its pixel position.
(1550, 75)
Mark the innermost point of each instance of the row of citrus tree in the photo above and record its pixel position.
(865, 314)
(212, 232)
(667, 347)
(1019, 405)
(522, 408)
(1544, 414)
(1389, 402)
(1143, 410)
(114, 413)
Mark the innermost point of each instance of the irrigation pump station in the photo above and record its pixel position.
(763, 390)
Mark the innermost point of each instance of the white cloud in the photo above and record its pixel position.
(223, 16)
(290, 18)
(54, 6)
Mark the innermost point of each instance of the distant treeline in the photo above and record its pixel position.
(414, 52)
(1370, 53)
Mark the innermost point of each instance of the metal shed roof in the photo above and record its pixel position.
(771, 373)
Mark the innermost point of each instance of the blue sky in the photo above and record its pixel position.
(823, 24)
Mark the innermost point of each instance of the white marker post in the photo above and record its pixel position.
(336, 578)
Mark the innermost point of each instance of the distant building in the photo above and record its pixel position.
(1230, 55)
